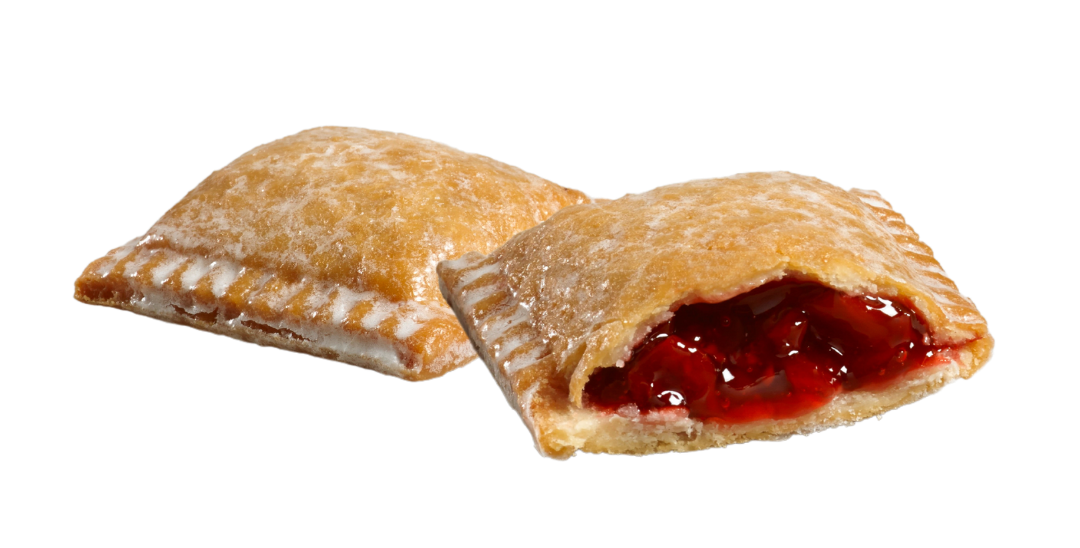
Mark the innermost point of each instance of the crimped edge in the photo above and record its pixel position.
(368, 349)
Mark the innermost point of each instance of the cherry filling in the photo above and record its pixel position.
(778, 351)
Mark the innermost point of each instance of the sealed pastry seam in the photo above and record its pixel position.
(518, 312)
(321, 319)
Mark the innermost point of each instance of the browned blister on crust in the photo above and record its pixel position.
(580, 290)
(326, 242)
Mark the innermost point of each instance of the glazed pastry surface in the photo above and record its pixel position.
(326, 242)
(579, 291)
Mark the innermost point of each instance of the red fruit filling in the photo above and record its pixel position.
(779, 351)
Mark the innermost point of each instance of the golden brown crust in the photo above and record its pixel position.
(326, 242)
(578, 291)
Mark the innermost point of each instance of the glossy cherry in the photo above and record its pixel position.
(778, 351)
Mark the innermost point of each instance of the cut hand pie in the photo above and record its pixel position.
(713, 312)
(326, 242)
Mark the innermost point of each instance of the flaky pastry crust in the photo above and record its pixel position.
(326, 242)
(580, 290)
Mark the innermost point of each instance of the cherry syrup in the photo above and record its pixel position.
(779, 351)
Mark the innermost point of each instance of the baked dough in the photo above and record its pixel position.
(326, 242)
(579, 291)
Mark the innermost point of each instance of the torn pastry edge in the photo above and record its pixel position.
(612, 345)
(561, 430)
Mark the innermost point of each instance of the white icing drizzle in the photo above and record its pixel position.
(222, 274)
(193, 273)
(379, 312)
(263, 280)
(141, 258)
(406, 328)
(476, 295)
(459, 263)
(506, 346)
(411, 320)
(472, 275)
(497, 325)
(344, 301)
(115, 256)
(519, 362)
(282, 296)
(377, 350)
(317, 299)
(160, 274)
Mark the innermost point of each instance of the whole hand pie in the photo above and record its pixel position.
(713, 312)
(326, 242)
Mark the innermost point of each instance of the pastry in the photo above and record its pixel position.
(714, 312)
(326, 242)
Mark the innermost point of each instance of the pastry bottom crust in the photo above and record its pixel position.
(561, 433)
